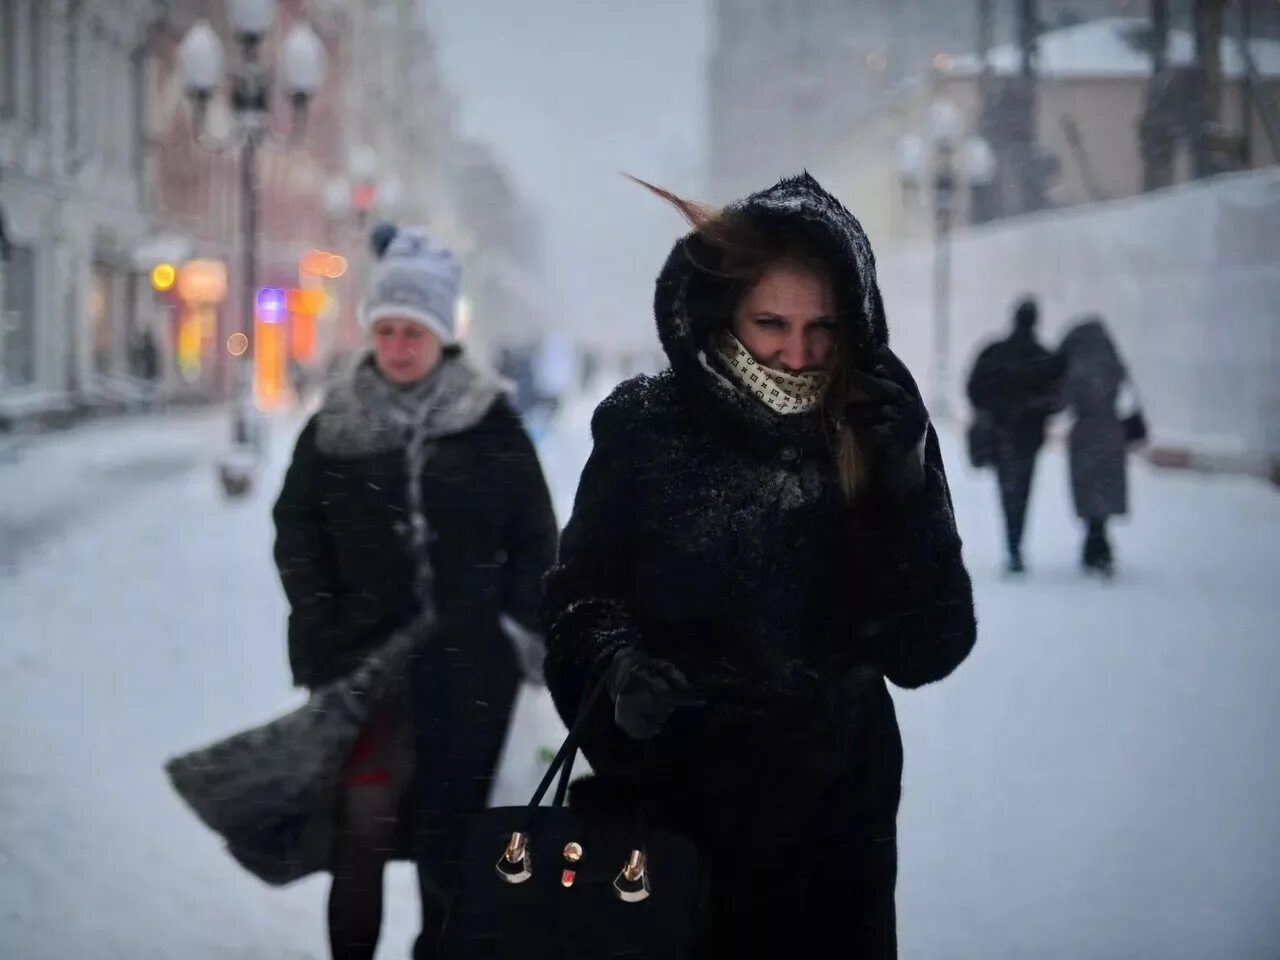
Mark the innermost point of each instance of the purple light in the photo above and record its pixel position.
(271, 304)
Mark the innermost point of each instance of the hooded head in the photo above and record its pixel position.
(712, 268)
(1089, 347)
(1025, 317)
(710, 271)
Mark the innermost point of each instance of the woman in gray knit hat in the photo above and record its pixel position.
(414, 500)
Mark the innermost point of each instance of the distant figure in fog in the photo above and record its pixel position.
(146, 362)
(1101, 400)
(1015, 386)
(762, 537)
(415, 500)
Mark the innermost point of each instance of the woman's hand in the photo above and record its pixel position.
(645, 692)
(891, 426)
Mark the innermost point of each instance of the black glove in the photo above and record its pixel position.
(645, 692)
(891, 426)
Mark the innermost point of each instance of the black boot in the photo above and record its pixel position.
(1097, 556)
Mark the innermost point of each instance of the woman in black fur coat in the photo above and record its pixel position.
(762, 536)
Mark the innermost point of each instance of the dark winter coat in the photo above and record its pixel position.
(364, 489)
(1019, 384)
(1096, 377)
(710, 531)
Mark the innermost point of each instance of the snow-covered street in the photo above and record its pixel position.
(1098, 780)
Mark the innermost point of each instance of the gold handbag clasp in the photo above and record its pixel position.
(515, 865)
(631, 885)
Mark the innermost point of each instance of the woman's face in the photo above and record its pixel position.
(404, 350)
(787, 321)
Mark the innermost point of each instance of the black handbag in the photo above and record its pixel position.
(1132, 420)
(1135, 428)
(982, 441)
(549, 883)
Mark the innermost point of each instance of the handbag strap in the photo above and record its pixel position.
(563, 765)
(564, 758)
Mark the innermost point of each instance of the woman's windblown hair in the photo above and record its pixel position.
(731, 253)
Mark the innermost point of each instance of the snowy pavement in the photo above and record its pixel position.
(1099, 779)
(47, 484)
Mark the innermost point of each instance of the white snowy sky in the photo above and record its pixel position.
(572, 92)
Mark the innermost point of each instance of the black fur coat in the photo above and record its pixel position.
(712, 532)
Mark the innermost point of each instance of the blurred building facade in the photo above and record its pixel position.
(406, 161)
(102, 179)
(790, 78)
(399, 118)
(198, 191)
(498, 238)
(75, 194)
(1091, 92)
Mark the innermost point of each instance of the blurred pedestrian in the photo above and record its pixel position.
(5, 249)
(1014, 387)
(146, 364)
(414, 498)
(762, 535)
(1108, 421)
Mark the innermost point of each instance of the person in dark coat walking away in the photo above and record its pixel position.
(1100, 397)
(414, 500)
(146, 365)
(762, 535)
(1014, 387)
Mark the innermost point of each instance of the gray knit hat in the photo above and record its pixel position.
(417, 281)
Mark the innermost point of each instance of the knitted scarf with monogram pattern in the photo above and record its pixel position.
(782, 392)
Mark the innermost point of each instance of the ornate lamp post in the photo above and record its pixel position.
(350, 200)
(300, 68)
(939, 156)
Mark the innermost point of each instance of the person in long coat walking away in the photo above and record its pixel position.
(762, 536)
(414, 500)
(1016, 385)
(1100, 397)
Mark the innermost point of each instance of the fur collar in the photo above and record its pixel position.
(364, 415)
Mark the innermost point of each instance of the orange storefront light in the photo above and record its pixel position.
(322, 263)
(202, 281)
(308, 300)
(302, 336)
(269, 365)
(314, 263)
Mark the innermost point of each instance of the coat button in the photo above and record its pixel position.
(790, 454)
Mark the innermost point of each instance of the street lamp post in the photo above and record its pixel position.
(301, 63)
(941, 153)
(349, 200)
